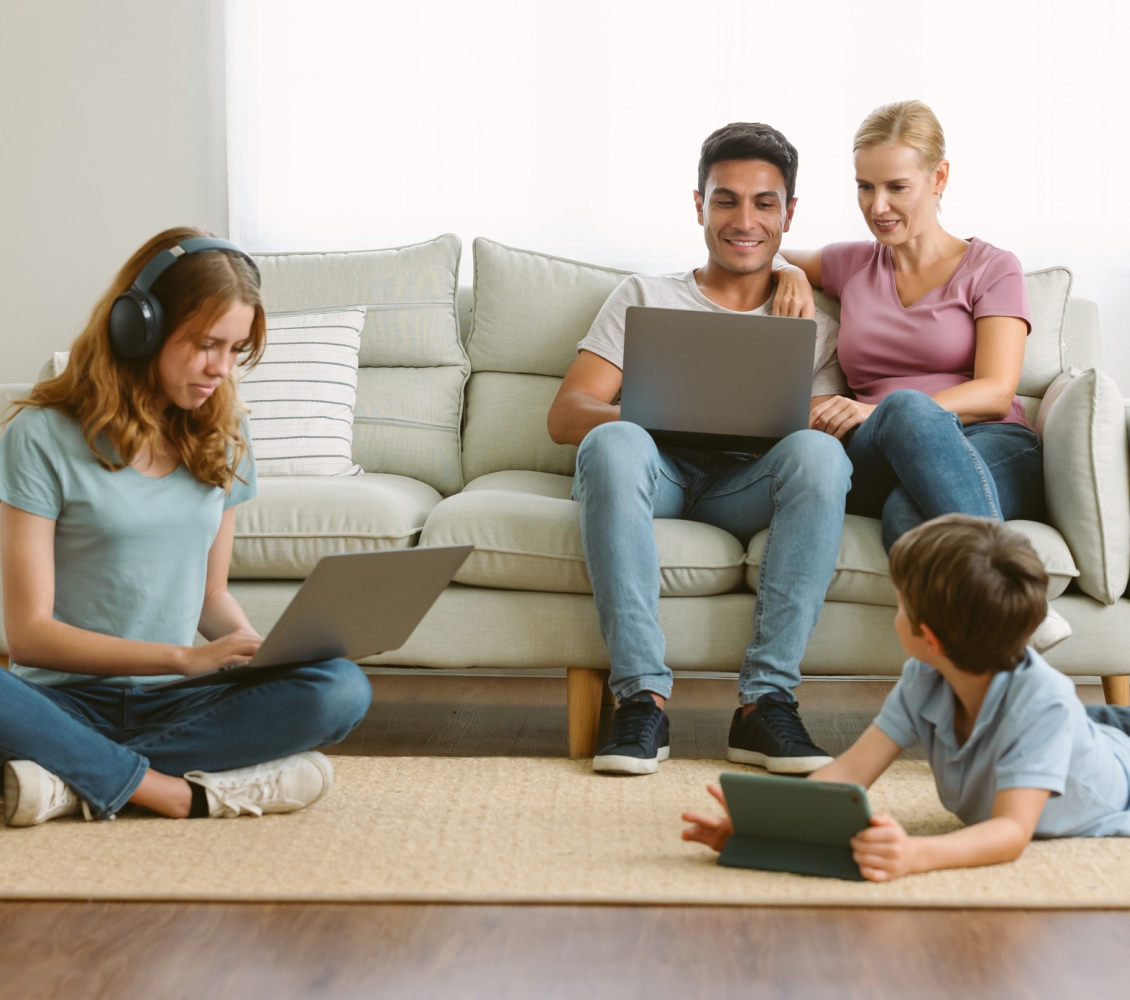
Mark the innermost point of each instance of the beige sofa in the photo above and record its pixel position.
(450, 427)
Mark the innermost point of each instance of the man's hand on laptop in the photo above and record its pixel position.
(236, 647)
(794, 294)
(837, 415)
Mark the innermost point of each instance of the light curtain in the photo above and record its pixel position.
(574, 128)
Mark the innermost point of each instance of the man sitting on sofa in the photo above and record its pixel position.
(745, 202)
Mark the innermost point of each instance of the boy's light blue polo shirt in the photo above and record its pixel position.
(1032, 732)
(131, 552)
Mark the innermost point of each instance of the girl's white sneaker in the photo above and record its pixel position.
(33, 795)
(278, 786)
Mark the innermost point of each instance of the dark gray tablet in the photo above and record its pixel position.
(793, 824)
(724, 381)
(352, 605)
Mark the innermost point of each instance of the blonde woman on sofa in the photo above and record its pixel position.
(119, 481)
(932, 335)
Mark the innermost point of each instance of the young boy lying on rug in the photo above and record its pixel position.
(1014, 752)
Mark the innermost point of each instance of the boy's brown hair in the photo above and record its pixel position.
(979, 586)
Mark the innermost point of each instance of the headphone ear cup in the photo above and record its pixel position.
(136, 324)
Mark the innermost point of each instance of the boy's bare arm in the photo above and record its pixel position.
(708, 828)
(885, 851)
(862, 762)
(584, 400)
(867, 758)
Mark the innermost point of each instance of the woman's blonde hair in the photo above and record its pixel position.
(909, 123)
(116, 402)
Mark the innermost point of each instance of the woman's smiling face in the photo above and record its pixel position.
(898, 195)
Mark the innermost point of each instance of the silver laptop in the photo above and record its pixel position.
(352, 605)
(719, 381)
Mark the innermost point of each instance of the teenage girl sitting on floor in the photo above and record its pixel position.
(1015, 753)
(119, 481)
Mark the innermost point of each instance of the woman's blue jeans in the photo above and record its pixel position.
(914, 461)
(796, 490)
(101, 739)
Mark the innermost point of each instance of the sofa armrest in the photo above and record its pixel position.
(8, 395)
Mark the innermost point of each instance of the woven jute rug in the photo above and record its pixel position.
(503, 830)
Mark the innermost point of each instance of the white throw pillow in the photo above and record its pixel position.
(1055, 390)
(1087, 481)
(302, 394)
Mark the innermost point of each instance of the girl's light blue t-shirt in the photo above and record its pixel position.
(131, 552)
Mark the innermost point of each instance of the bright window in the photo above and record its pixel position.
(574, 128)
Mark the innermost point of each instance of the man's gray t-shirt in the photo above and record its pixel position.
(681, 291)
(1032, 732)
(131, 552)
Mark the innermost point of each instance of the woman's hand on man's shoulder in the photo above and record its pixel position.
(794, 294)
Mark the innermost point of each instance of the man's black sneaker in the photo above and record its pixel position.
(640, 738)
(772, 736)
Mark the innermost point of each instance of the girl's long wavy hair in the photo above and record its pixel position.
(118, 402)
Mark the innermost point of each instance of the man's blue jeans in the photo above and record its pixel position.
(797, 490)
(914, 461)
(101, 739)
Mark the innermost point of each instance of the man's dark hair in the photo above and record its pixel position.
(749, 141)
(979, 586)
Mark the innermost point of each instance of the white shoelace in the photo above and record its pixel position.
(239, 795)
(62, 795)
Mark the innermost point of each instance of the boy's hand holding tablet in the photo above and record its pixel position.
(1038, 763)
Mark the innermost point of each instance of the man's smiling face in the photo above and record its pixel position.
(744, 213)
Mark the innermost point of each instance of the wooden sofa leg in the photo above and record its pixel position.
(584, 692)
(1116, 689)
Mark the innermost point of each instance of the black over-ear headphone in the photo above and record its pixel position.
(137, 322)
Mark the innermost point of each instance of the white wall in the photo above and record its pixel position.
(112, 128)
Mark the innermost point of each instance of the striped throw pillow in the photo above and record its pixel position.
(303, 392)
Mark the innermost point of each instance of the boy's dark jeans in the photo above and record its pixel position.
(1115, 716)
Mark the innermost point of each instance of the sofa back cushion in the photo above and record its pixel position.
(412, 366)
(530, 311)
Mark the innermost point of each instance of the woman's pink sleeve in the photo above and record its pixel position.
(1002, 291)
(839, 261)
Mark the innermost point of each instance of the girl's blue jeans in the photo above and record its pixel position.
(100, 739)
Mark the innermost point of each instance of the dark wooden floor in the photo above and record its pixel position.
(124, 951)
(414, 715)
(120, 951)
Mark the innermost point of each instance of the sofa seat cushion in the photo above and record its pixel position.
(542, 484)
(295, 520)
(527, 540)
(862, 575)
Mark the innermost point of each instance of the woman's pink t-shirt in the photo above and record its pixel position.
(929, 346)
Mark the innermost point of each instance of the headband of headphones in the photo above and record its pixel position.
(137, 323)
